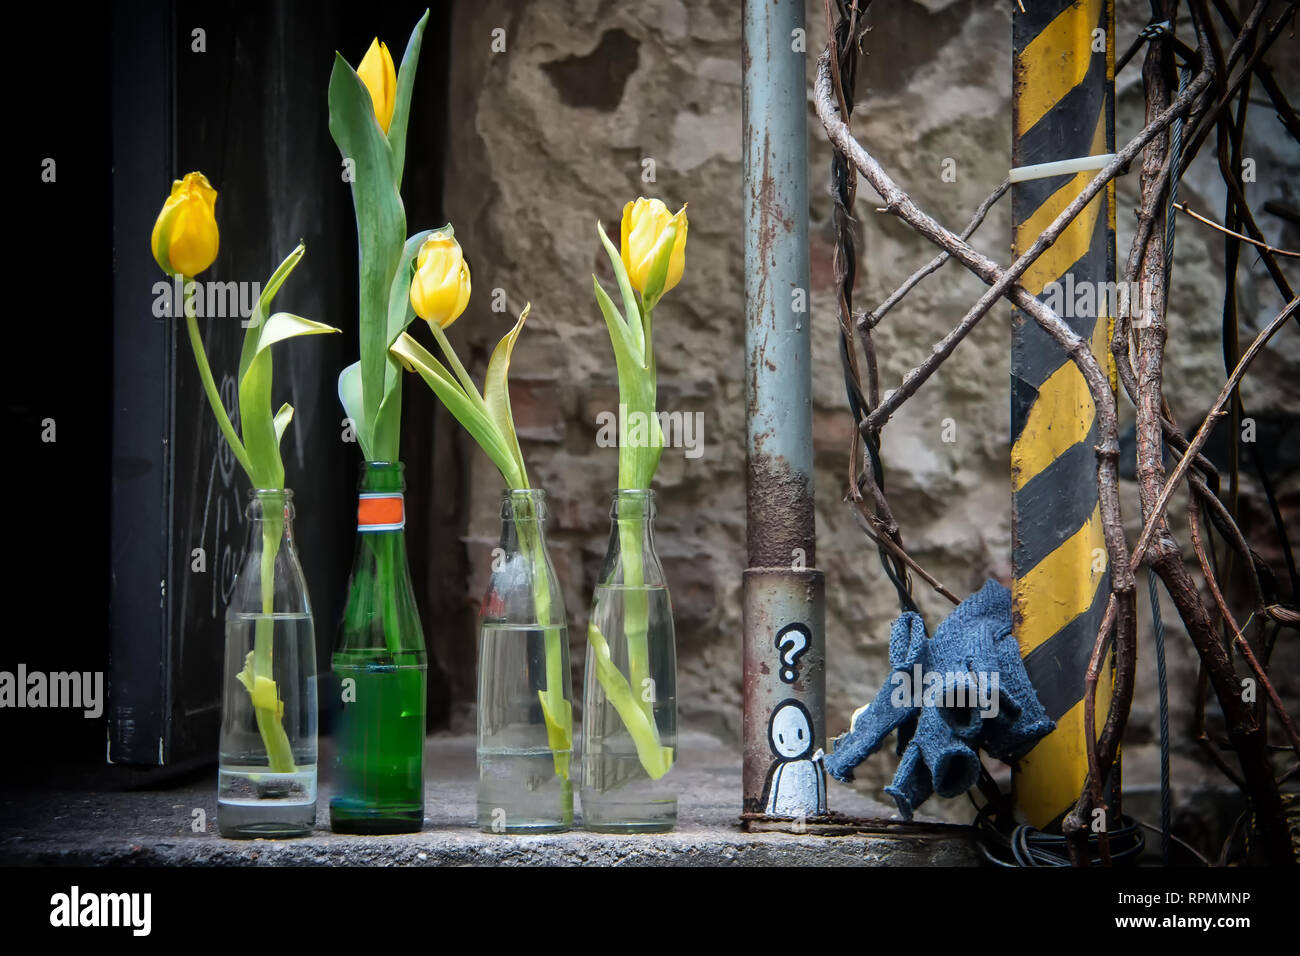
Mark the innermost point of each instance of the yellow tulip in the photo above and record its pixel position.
(376, 71)
(189, 219)
(440, 287)
(644, 224)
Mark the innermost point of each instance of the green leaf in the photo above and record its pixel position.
(636, 464)
(648, 463)
(258, 427)
(285, 325)
(471, 417)
(402, 102)
(558, 715)
(630, 308)
(496, 392)
(350, 399)
(386, 432)
(263, 307)
(466, 382)
(282, 419)
(655, 758)
(246, 676)
(381, 228)
(654, 283)
(626, 353)
(386, 429)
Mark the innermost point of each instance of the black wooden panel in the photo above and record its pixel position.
(142, 389)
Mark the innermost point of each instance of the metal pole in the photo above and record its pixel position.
(1063, 83)
(784, 612)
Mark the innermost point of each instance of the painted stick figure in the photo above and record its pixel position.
(796, 782)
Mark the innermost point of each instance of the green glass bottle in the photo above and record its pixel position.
(380, 668)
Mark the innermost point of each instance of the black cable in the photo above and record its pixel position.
(1027, 846)
(1278, 523)
(843, 192)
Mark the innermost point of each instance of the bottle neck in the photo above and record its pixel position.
(381, 502)
(523, 518)
(381, 620)
(269, 578)
(269, 512)
(632, 508)
(630, 558)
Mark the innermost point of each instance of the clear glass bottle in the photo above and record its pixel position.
(525, 708)
(266, 776)
(629, 710)
(380, 670)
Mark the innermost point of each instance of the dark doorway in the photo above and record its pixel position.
(238, 90)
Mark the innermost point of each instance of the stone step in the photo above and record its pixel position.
(58, 824)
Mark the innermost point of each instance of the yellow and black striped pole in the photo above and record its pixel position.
(1063, 96)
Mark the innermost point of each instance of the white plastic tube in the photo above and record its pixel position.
(1060, 167)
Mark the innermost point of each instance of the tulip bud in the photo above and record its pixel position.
(644, 224)
(376, 71)
(440, 286)
(188, 223)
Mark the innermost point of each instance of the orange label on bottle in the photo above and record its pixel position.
(381, 512)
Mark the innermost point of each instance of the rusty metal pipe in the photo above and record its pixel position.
(784, 594)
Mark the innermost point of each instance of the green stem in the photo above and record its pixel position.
(557, 710)
(386, 568)
(636, 470)
(647, 325)
(279, 752)
(628, 694)
(462, 376)
(636, 612)
(209, 386)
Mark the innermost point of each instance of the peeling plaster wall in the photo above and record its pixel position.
(554, 133)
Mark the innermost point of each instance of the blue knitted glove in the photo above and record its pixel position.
(963, 650)
(991, 651)
(935, 761)
(985, 701)
(1022, 720)
(874, 723)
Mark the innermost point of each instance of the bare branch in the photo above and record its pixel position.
(1224, 229)
(1216, 410)
(1001, 281)
(871, 319)
(1240, 639)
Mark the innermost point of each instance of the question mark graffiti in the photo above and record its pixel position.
(792, 642)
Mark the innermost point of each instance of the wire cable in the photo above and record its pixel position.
(1027, 846)
(1162, 682)
(1153, 592)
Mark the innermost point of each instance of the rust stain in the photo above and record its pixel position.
(780, 510)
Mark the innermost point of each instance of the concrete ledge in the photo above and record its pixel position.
(64, 826)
